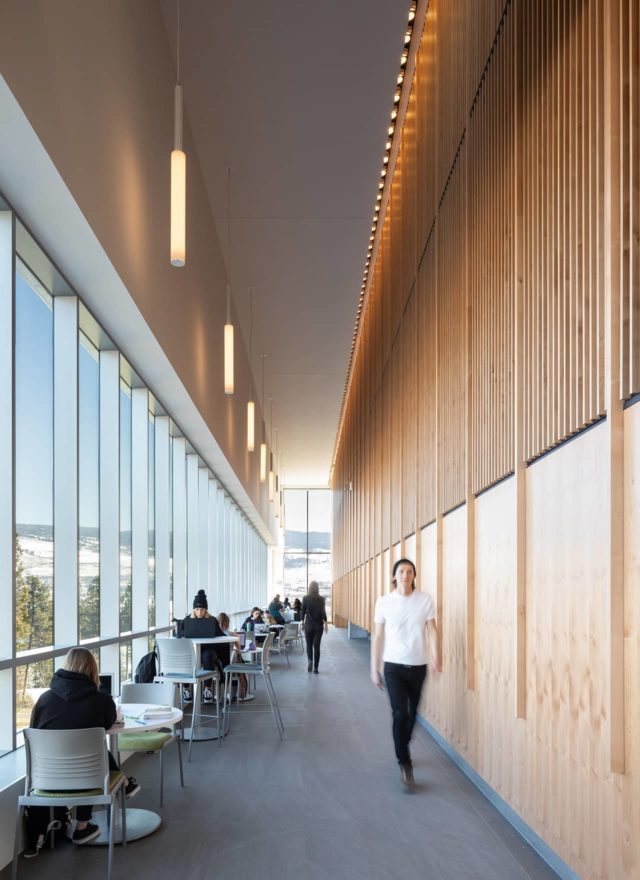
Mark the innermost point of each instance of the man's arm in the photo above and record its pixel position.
(434, 642)
(376, 654)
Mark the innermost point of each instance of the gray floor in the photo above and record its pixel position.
(325, 803)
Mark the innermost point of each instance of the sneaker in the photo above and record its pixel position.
(32, 851)
(316, 671)
(86, 834)
(132, 787)
(309, 666)
(208, 695)
(187, 696)
(406, 777)
(247, 698)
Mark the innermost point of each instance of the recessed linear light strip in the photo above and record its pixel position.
(415, 25)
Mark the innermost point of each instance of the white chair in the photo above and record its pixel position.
(70, 768)
(261, 668)
(294, 634)
(178, 664)
(279, 645)
(160, 693)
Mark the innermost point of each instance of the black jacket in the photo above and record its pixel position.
(73, 703)
(313, 611)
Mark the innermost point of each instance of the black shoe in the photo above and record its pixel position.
(406, 777)
(309, 666)
(89, 833)
(132, 788)
(316, 671)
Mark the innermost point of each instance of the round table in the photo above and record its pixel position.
(140, 823)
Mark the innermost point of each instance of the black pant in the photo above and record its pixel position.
(83, 813)
(313, 635)
(404, 686)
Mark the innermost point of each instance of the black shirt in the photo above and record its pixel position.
(313, 610)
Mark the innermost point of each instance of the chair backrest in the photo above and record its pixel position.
(66, 760)
(266, 648)
(161, 693)
(291, 631)
(176, 657)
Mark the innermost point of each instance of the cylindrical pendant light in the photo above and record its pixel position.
(228, 327)
(251, 426)
(251, 409)
(228, 348)
(178, 174)
(271, 474)
(263, 445)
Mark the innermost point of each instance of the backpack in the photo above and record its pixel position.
(146, 669)
(38, 825)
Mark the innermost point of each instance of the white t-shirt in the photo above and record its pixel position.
(405, 621)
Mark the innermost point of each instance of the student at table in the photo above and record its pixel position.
(297, 609)
(74, 702)
(225, 623)
(252, 619)
(275, 609)
(210, 657)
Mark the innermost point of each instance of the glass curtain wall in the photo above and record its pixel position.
(130, 576)
(307, 542)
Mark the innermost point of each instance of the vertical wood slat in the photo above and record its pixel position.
(614, 249)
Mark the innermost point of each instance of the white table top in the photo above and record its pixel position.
(214, 640)
(133, 722)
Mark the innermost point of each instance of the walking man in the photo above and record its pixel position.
(402, 620)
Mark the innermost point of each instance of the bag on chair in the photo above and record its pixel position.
(146, 669)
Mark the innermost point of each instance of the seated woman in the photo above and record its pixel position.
(74, 702)
(210, 657)
(225, 623)
(252, 619)
(297, 609)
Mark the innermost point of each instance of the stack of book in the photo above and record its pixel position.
(157, 713)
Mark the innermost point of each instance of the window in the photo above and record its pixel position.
(88, 489)
(307, 542)
(125, 508)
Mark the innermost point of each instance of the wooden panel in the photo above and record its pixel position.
(396, 432)
(427, 372)
(490, 145)
(451, 319)
(409, 437)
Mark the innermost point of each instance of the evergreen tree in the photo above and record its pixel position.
(90, 609)
(34, 622)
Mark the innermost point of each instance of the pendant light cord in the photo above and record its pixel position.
(178, 46)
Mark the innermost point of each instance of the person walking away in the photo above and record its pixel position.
(403, 618)
(314, 621)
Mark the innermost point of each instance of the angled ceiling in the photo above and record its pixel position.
(294, 96)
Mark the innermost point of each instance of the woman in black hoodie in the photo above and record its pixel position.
(75, 702)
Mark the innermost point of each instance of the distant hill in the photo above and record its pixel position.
(318, 541)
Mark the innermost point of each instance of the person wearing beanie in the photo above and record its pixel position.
(208, 655)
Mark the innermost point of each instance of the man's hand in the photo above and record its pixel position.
(376, 678)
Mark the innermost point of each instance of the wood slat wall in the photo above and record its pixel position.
(502, 314)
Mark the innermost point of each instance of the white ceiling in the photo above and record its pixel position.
(294, 95)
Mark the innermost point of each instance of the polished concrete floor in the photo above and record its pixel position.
(324, 803)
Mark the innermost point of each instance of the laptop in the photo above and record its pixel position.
(106, 682)
(261, 628)
(200, 628)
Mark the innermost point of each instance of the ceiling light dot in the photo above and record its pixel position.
(390, 130)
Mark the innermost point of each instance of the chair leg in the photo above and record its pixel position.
(161, 778)
(180, 762)
(112, 828)
(123, 811)
(219, 711)
(227, 690)
(275, 708)
(16, 844)
(50, 828)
